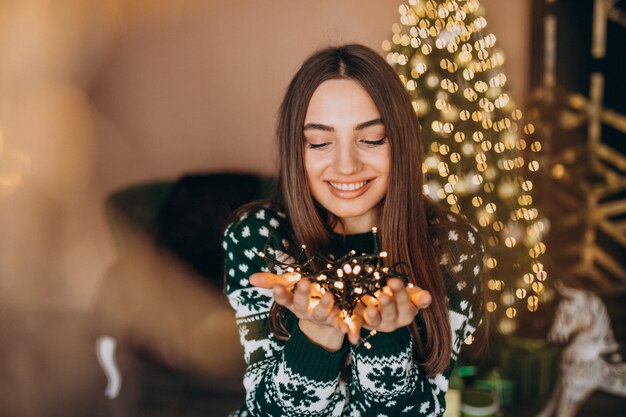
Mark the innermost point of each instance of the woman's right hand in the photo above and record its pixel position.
(319, 317)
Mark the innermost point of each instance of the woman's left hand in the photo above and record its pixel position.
(396, 306)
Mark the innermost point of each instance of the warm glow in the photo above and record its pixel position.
(474, 134)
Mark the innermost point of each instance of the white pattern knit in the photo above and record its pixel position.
(298, 378)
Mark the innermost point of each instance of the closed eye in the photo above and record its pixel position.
(317, 145)
(374, 142)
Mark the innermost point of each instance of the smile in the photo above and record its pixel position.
(352, 186)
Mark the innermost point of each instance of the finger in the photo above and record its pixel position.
(355, 322)
(419, 297)
(385, 290)
(282, 296)
(372, 316)
(263, 279)
(289, 280)
(399, 292)
(388, 310)
(268, 279)
(406, 309)
(322, 311)
(316, 290)
(370, 301)
(301, 296)
(337, 322)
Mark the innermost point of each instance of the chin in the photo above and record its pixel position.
(341, 215)
(352, 213)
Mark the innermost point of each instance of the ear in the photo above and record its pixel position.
(564, 290)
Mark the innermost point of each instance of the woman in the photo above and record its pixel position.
(350, 159)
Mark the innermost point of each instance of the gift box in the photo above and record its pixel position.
(479, 403)
(532, 365)
(495, 382)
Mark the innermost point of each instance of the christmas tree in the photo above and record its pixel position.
(481, 159)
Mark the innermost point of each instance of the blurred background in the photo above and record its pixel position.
(105, 105)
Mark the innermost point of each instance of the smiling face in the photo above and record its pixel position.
(346, 154)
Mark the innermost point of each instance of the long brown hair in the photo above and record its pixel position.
(406, 216)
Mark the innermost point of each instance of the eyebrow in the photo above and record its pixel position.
(326, 128)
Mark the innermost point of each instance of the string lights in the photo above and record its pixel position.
(480, 157)
(349, 279)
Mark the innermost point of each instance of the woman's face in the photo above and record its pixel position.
(346, 154)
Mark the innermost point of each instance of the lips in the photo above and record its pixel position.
(348, 190)
(345, 186)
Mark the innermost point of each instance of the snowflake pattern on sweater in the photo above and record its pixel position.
(298, 378)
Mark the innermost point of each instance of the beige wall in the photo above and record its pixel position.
(197, 88)
(97, 95)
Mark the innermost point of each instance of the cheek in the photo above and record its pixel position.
(386, 164)
(381, 162)
(384, 168)
(314, 165)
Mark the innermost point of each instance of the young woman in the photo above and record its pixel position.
(350, 159)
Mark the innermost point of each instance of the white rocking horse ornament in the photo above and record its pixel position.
(583, 320)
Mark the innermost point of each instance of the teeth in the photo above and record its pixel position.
(348, 187)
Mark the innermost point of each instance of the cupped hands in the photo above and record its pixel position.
(324, 324)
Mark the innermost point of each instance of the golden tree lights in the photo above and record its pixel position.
(480, 156)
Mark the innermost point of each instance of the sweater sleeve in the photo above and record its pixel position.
(283, 378)
(390, 383)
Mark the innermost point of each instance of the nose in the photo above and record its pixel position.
(347, 160)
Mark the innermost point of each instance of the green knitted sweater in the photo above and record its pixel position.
(298, 378)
